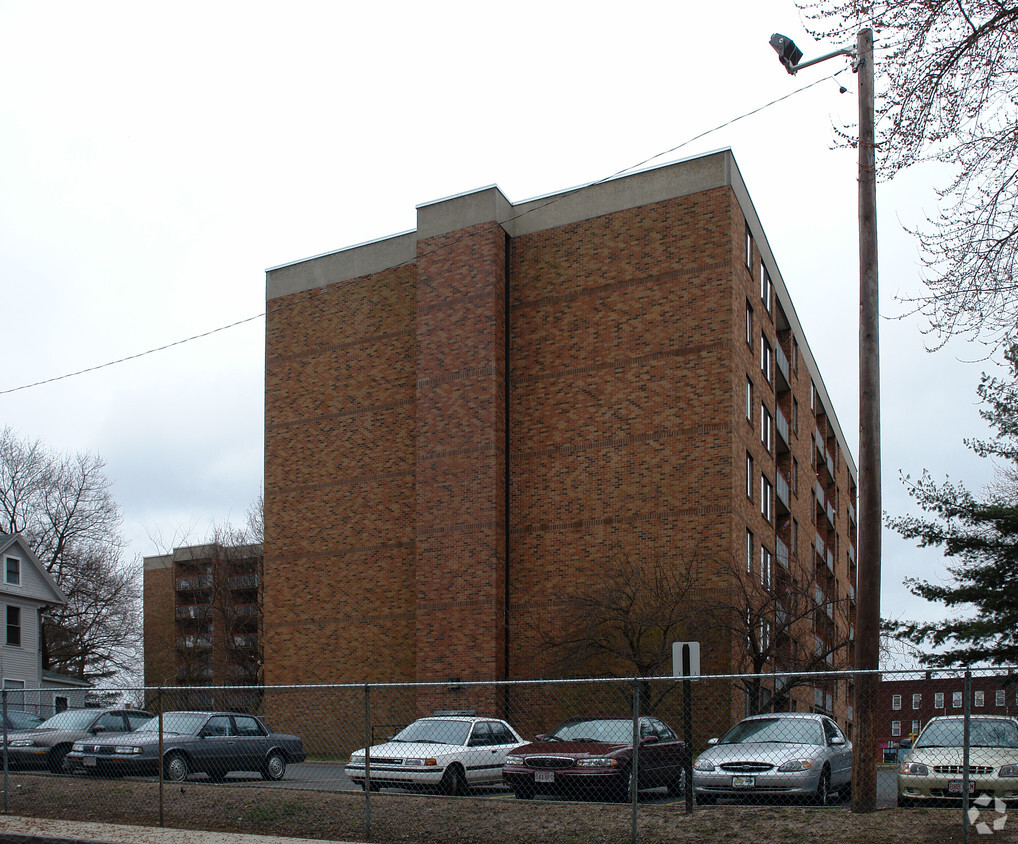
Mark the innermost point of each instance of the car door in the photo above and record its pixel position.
(252, 743)
(503, 739)
(477, 754)
(668, 753)
(215, 749)
(840, 753)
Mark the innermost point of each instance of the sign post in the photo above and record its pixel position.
(686, 664)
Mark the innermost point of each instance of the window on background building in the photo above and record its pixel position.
(749, 324)
(749, 247)
(766, 566)
(766, 359)
(956, 700)
(895, 701)
(749, 399)
(766, 428)
(795, 416)
(795, 476)
(998, 698)
(938, 700)
(917, 700)
(979, 697)
(812, 396)
(765, 287)
(14, 626)
(765, 635)
(795, 357)
(749, 552)
(795, 537)
(60, 703)
(766, 498)
(12, 571)
(15, 692)
(915, 728)
(749, 477)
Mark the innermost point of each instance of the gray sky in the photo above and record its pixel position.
(155, 159)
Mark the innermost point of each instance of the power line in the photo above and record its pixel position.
(551, 201)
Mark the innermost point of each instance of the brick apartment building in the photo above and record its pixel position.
(464, 422)
(203, 620)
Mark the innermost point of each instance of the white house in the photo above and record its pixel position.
(26, 592)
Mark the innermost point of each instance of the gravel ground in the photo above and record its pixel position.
(466, 820)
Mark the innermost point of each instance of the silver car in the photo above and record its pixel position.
(934, 767)
(793, 754)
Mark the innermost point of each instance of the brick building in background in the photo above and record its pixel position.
(465, 422)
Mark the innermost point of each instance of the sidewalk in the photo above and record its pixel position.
(15, 829)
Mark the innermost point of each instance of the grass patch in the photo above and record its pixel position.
(279, 812)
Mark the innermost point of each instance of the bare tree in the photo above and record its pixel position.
(946, 76)
(64, 507)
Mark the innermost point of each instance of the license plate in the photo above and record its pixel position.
(544, 776)
(89, 761)
(742, 782)
(954, 787)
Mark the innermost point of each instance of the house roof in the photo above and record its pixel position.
(8, 541)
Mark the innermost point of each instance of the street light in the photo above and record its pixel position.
(867, 652)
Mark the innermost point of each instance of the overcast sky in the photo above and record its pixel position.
(155, 159)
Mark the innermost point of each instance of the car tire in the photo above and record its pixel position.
(274, 768)
(624, 789)
(176, 768)
(56, 759)
(823, 792)
(675, 786)
(454, 782)
(524, 792)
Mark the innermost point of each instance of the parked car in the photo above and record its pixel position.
(934, 766)
(794, 754)
(18, 719)
(450, 751)
(595, 755)
(46, 745)
(213, 743)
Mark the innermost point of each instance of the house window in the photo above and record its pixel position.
(795, 476)
(766, 359)
(749, 477)
(938, 700)
(14, 626)
(765, 287)
(749, 248)
(12, 571)
(60, 703)
(795, 416)
(15, 692)
(979, 697)
(766, 428)
(812, 396)
(766, 563)
(999, 697)
(766, 496)
(749, 324)
(749, 399)
(749, 551)
(917, 699)
(765, 635)
(895, 701)
(956, 699)
(915, 728)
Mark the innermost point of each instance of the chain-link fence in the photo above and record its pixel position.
(637, 759)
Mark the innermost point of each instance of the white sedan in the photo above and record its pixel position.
(451, 752)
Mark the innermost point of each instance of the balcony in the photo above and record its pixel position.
(821, 496)
(851, 512)
(821, 546)
(245, 610)
(851, 553)
(830, 513)
(784, 381)
(830, 560)
(781, 423)
(781, 551)
(195, 643)
(244, 641)
(830, 464)
(851, 594)
(193, 582)
(243, 581)
(193, 611)
(781, 489)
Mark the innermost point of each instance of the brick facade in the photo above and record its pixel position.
(466, 422)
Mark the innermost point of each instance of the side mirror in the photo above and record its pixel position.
(648, 740)
(712, 742)
(98, 728)
(541, 737)
(837, 741)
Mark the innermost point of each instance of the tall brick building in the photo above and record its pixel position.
(466, 421)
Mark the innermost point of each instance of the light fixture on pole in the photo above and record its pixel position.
(867, 640)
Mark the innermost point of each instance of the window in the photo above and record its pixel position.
(749, 324)
(766, 563)
(765, 635)
(765, 287)
(795, 538)
(749, 247)
(956, 699)
(895, 701)
(795, 357)
(938, 700)
(917, 699)
(980, 696)
(915, 728)
(766, 428)
(812, 396)
(999, 697)
(795, 416)
(749, 399)
(14, 626)
(12, 571)
(766, 496)
(247, 726)
(749, 477)
(16, 692)
(766, 359)
(795, 476)
(749, 552)
(60, 703)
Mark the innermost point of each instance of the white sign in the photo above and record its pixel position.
(685, 659)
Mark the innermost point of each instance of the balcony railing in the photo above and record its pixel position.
(781, 551)
(781, 423)
(195, 581)
(851, 512)
(198, 643)
(781, 487)
(782, 361)
(245, 640)
(243, 581)
(830, 463)
(830, 560)
(819, 491)
(821, 546)
(830, 513)
(242, 610)
(193, 610)
(851, 553)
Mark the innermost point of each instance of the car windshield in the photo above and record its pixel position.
(70, 719)
(435, 731)
(775, 731)
(18, 720)
(612, 730)
(990, 732)
(182, 723)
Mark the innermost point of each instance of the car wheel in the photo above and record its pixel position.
(624, 789)
(454, 781)
(845, 791)
(55, 759)
(524, 792)
(275, 766)
(175, 768)
(823, 793)
(675, 785)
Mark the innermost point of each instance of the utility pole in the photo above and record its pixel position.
(867, 633)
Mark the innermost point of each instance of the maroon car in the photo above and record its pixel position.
(595, 755)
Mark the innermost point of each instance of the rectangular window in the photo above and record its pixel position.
(14, 626)
(999, 697)
(765, 287)
(896, 728)
(795, 357)
(956, 700)
(12, 571)
(749, 477)
(917, 699)
(979, 696)
(749, 399)
(795, 476)
(938, 700)
(915, 728)
(766, 359)
(766, 498)
(766, 564)
(766, 428)
(895, 701)
(795, 416)
(749, 324)
(749, 552)
(749, 247)
(795, 538)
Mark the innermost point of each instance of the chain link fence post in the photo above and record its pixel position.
(159, 758)
(966, 742)
(367, 762)
(6, 781)
(634, 770)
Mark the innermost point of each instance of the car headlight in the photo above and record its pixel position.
(78, 747)
(796, 765)
(703, 765)
(125, 750)
(356, 758)
(915, 768)
(514, 760)
(597, 762)
(23, 742)
(1008, 771)
(420, 763)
